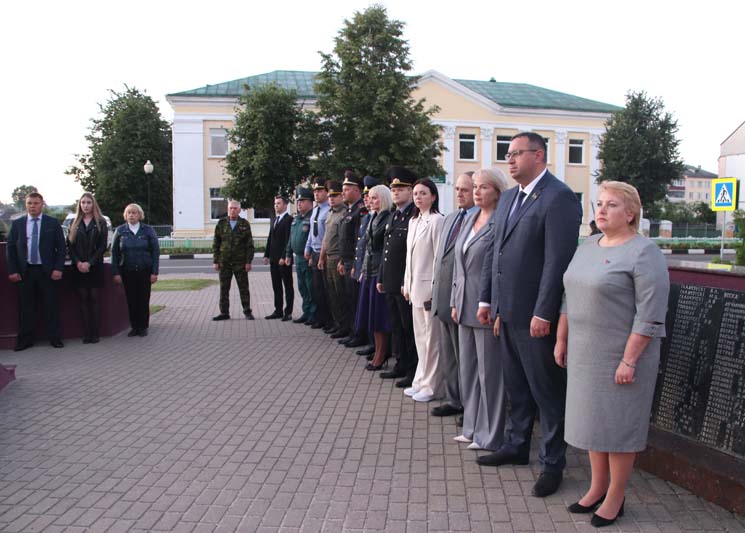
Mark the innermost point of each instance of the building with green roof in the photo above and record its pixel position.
(478, 118)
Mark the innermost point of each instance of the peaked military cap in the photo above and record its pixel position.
(369, 182)
(319, 183)
(333, 187)
(400, 177)
(350, 178)
(303, 193)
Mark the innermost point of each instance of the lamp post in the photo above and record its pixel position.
(148, 168)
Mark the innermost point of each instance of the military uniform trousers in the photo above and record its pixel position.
(335, 291)
(351, 297)
(322, 315)
(305, 285)
(402, 334)
(227, 272)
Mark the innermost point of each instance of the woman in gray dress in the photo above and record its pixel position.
(480, 368)
(608, 338)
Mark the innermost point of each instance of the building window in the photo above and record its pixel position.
(576, 152)
(690, 196)
(503, 146)
(218, 204)
(707, 195)
(219, 145)
(700, 184)
(467, 146)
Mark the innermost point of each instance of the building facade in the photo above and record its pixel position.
(732, 159)
(477, 118)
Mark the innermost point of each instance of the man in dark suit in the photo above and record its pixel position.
(281, 272)
(521, 288)
(36, 258)
(391, 277)
(441, 290)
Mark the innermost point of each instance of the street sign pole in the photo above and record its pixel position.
(724, 226)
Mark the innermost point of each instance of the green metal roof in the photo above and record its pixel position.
(300, 81)
(524, 95)
(504, 94)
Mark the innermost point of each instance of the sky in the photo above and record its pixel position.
(61, 59)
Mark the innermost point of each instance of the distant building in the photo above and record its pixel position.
(477, 118)
(696, 185)
(732, 159)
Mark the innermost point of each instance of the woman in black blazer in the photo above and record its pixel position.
(86, 244)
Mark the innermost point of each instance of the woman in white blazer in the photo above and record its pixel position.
(425, 227)
(480, 368)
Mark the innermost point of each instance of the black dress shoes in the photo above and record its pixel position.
(547, 484)
(273, 316)
(133, 333)
(249, 315)
(446, 410)
(330, 330)
(286, 318)
(404, 383)
(500, 457)
(578, 508)
(94, 340)
(366, 350)
(142, 333)
(392, 374)
(599, 521)
(344, 340)
(340, 334)
(221, 316)
(318, 325)
(302, 320)
(22, 345)
(356, 343)
(56, 343)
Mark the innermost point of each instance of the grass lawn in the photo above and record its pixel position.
(155, 308)
(183, 284)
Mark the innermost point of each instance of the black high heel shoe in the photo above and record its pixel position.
(374, 368)
(599, 521)
(578, 508)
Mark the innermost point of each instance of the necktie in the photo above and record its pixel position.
(315, 221)
(34, 258)
(520, 199)
(456, 228)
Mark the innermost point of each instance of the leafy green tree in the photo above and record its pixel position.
(130, 132)
(271, 146)
(703, 213)
(19, 195)
(640, 147)
(364, 95)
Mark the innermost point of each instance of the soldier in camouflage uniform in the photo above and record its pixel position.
(232, 253)
(299, 232)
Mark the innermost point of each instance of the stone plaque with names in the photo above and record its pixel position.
(701, 383)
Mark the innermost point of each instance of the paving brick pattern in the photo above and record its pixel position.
(263, 426)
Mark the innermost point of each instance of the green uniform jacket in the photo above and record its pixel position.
(331, 237)
(233, 247)
(299, 232)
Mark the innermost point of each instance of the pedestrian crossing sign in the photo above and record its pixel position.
(724, 194)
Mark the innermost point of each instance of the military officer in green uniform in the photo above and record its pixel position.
(299, 232)
(232, 253)
(329, 261)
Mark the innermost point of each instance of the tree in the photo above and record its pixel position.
(364, 94)
(704, 213)
(271, 146)
(19, 195)
(640, 147)
(130, 132)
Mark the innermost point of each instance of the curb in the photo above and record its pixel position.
(698, 251)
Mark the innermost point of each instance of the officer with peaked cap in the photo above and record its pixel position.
(299, 232)
(313, 253)
(330, 259)
(391, 276)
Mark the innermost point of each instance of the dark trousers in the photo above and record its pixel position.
(90, 311)
(402, 333)
(351, 296)
(335, 287)
(137, 290)
(35, 279)
(282, 275)
(227, 273)
(305, 286)
(534, 383)
(319, 292)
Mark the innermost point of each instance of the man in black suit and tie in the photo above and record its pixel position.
(36, 258)
(281, 272)
(521, 288)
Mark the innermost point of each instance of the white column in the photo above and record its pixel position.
(188, 175)
(447, 198)
(595, 141)
(487, 136)
(560, 150)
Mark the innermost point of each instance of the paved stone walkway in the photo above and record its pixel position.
(262, 426)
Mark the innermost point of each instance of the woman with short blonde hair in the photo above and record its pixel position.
(630, 197)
